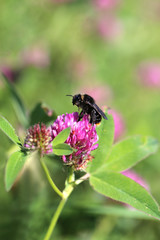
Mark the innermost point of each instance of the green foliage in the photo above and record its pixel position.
(17, 159)
(13, 168)
(128, 152)
(17, 103)
(106, 135)
(41, 114)
(110, 62)
(62, 149)
(61, 137)
(103, 170)
(59, 147)
(121, 188)
(7, 128)
(116, 210)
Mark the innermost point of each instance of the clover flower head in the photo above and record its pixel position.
(82, 138)
(38, 137)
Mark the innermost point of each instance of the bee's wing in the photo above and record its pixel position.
(98, 109)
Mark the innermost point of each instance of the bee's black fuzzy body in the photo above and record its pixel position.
(88, 106)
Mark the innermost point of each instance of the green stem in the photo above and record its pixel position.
(69, 186)
(55, 188)
(55, 218)
(66, 193)
(83, 178)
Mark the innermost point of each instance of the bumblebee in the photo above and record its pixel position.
(88, 106)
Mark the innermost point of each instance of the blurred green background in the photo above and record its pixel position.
(108, 49)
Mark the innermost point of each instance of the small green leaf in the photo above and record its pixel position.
(7, 128)
(14, 166)
(127, 153)
(124, 189)
(61, 137)
(62, 149)
(106, 136)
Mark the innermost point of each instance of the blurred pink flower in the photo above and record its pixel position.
(101, 93)
(106, 4)
(134, 176)
(109, 27)
(118, 124)
(149, 74)
(35, 56)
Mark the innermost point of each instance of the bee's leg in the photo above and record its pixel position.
(93, 117)
(81, 115)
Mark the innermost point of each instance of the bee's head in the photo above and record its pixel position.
(77, 99)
